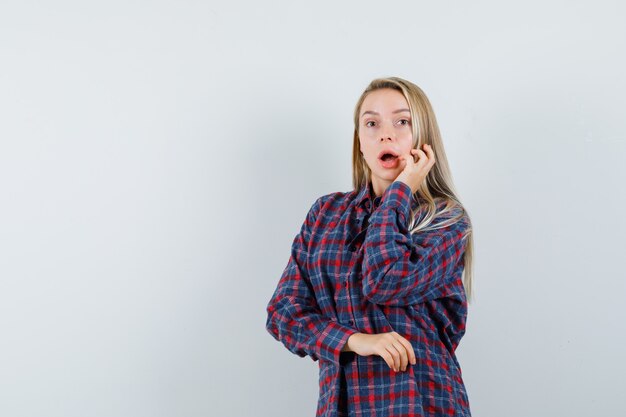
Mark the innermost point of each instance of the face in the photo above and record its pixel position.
(384, 124)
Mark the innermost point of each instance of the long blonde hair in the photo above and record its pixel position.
(438, 185)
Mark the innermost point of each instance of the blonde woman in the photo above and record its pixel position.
(377, 285)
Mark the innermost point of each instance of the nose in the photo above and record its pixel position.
(387, 133)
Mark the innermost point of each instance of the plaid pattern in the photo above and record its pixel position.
(355, 267)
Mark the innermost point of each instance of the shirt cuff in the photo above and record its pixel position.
(333, 339)
(398, 195)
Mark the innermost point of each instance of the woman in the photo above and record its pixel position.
(378, 281)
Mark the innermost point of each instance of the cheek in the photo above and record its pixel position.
(370, 155)
(407, 143)
(366, 148)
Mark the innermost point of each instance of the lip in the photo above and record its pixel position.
(391, 164)
(391, 151)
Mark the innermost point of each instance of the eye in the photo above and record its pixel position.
(405, 120)
(368, 123)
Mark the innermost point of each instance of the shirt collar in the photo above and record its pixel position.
(366, 197)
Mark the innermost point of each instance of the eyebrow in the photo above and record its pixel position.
(373, 112)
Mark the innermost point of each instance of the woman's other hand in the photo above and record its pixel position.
(391, 346)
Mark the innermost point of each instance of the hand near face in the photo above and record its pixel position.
(414, 173)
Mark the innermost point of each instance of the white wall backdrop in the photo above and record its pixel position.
(158, 157)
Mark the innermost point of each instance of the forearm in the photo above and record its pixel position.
(403, 268)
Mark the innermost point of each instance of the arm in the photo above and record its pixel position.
(293, 316)
(400, 268)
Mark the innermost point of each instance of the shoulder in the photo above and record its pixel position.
(333, 202)
(330, 202)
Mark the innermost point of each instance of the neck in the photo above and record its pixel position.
(378, 187)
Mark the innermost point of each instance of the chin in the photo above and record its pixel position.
(388, 175)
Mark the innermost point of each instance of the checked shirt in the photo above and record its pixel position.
(355, 267)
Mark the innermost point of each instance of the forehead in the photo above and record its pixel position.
(384, 100)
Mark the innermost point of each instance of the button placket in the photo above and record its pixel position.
(354, 253)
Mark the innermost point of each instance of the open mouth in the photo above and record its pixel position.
(388, 159)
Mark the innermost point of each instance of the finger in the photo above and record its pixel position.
(423, 158)
(397, 343)
(403, 354)
(396, 356)
(418, 155)
(387, 357)
(421, 153)
(430, 163)
(431, 154)
(409, 349)
(409, 158)
(397, 360)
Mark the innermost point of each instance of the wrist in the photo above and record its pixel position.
(349, 345)
(407, 183)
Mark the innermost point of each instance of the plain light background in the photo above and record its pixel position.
(158, 157)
